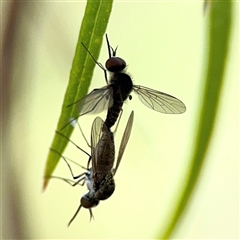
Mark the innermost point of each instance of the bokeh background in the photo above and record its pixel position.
(163, 44)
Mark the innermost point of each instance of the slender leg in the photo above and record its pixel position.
(83, 135)
(120, 115)
(74, 177)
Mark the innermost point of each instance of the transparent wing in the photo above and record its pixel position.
(96, 135)
(124, 141)
(159, 101)
(96, 101)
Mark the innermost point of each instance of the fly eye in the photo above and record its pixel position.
(87, 203)
(115, 64)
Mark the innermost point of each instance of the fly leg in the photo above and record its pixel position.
(73, 143)
(80, 177)
(83, 135)
(120, 115)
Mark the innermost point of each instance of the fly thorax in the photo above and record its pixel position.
(122, 85)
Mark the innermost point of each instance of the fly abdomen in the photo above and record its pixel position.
(106, 155)
(113, 113)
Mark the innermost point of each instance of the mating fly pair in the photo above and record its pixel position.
(99, 177)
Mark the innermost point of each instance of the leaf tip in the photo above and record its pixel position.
(45, 183)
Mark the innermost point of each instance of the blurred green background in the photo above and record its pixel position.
(163, 44)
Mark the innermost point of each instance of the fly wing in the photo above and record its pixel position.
(96, 101)
(124, 141)
(96, 135)
(159, 101)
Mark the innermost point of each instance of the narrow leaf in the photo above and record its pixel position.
(93, 27)
(219, 25)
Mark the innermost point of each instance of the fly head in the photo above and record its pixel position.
(89, 202)
(115, 64)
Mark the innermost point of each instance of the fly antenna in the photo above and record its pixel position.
(76, 213)
(109, 47)
(91, 215)
(114, 52)
(111, 51)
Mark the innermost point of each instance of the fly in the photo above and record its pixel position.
(99, 178)
(112, 96)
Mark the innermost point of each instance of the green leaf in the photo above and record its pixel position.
(219, 26)
(92, 30)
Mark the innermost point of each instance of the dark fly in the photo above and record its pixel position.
(118, 89)
(99, 178)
